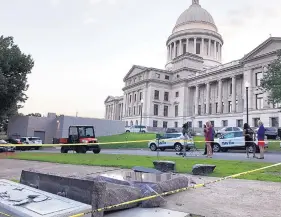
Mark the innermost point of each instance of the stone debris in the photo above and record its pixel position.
(176, 183)
(165, 166)
(203, 169)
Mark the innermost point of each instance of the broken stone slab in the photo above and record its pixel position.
(150, 189)
(102, 178)
(176, 183)
(165, 166)
(117, 194)
(146, 170)
(203, 169)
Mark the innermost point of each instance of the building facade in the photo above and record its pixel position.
(52, 126)
(195, 86)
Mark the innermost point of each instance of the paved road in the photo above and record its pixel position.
(269, 157)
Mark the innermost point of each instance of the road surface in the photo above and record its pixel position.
(272, 157)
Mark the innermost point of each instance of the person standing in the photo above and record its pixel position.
(248, 135)
(261, 136)
(205, 151)
(208, 138)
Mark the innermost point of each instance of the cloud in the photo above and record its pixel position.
(89, 20)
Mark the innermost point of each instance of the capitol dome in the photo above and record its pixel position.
(193, 17)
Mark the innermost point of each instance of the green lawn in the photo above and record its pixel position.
(122, 140)
(224, 168)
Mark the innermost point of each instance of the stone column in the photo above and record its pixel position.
(202, 47)
(180, 48)
(215, 50)
(209, 53)
(168, 53)
(186, 101)
(196, 99)
(220, 52)
(187, 44)
(220, 96)
(175, 49)
(194, 45)
(208, 97)
(233, 94)
(171, 52)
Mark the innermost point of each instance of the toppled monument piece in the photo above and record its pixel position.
(146, 170)
(203, 169)
(150, 189)
(165, 166)
(176, 183)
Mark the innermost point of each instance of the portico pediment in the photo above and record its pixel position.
(134, 71)
(108, 99)
(269, 46)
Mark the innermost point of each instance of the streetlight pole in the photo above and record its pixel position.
(247, 104)
(141, 115)
(247, 101)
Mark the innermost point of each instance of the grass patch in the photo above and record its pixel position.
(224, 168)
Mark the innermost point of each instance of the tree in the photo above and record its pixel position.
(14, 68)
(35, 115)
(271, 81)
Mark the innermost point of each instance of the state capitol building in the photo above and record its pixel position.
(195, 86)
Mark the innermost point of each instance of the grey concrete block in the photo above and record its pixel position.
(203, 169)
(165, 166)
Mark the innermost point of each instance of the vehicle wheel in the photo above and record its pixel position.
(64, 150)
(82, 150)
(162, 149)
(153, 147)
(216, 147)
(143, 131)
(178, 147)
(96, 151)
(127, 131)
(224, 149)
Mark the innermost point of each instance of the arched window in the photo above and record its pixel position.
(131, 124)
(137, 123)
(126, 123)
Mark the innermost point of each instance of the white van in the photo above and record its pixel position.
(136, 129)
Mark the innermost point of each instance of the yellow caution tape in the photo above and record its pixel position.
(4, 214)
(109, 143)
(175, 191)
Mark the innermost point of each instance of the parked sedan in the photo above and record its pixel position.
(6, 148)
(234, 141)
(170, 141)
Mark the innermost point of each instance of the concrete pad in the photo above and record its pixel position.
(140, 212)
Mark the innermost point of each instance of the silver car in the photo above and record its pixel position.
(227, 130)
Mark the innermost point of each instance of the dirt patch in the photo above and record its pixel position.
(229, 198)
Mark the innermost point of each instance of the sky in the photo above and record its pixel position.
(83, 48)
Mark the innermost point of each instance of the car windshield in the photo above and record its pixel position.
(173, 135)
(86, 132)
(34, 138)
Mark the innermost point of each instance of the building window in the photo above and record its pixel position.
(258, 79)
(274, 122)
(217, 108)
(184, 48)
(212, 123)
(140, 96)
(205, 109)
(210, 109)
(157, 75)
(236, 105)
(130, 98)
(166, 96)
(229, 106)
(225, 123)
(240, 123)
(222, 107)
(156, 108)
(259, 101)
(200, 124)
(176, 111)
(166, 109)
(135, 98)
(256, 122)
(165, 124)
(230, 89)
(156, 94)
(134, 110)
(167, 77)
(176, 125)
(155, 123)
(178, 76)
(199, 109)
(198, 48)
(126, 123)
(130, 111)
(177, 94)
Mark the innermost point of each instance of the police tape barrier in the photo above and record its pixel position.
(175, 191)
(4, 214)
(112, 143)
